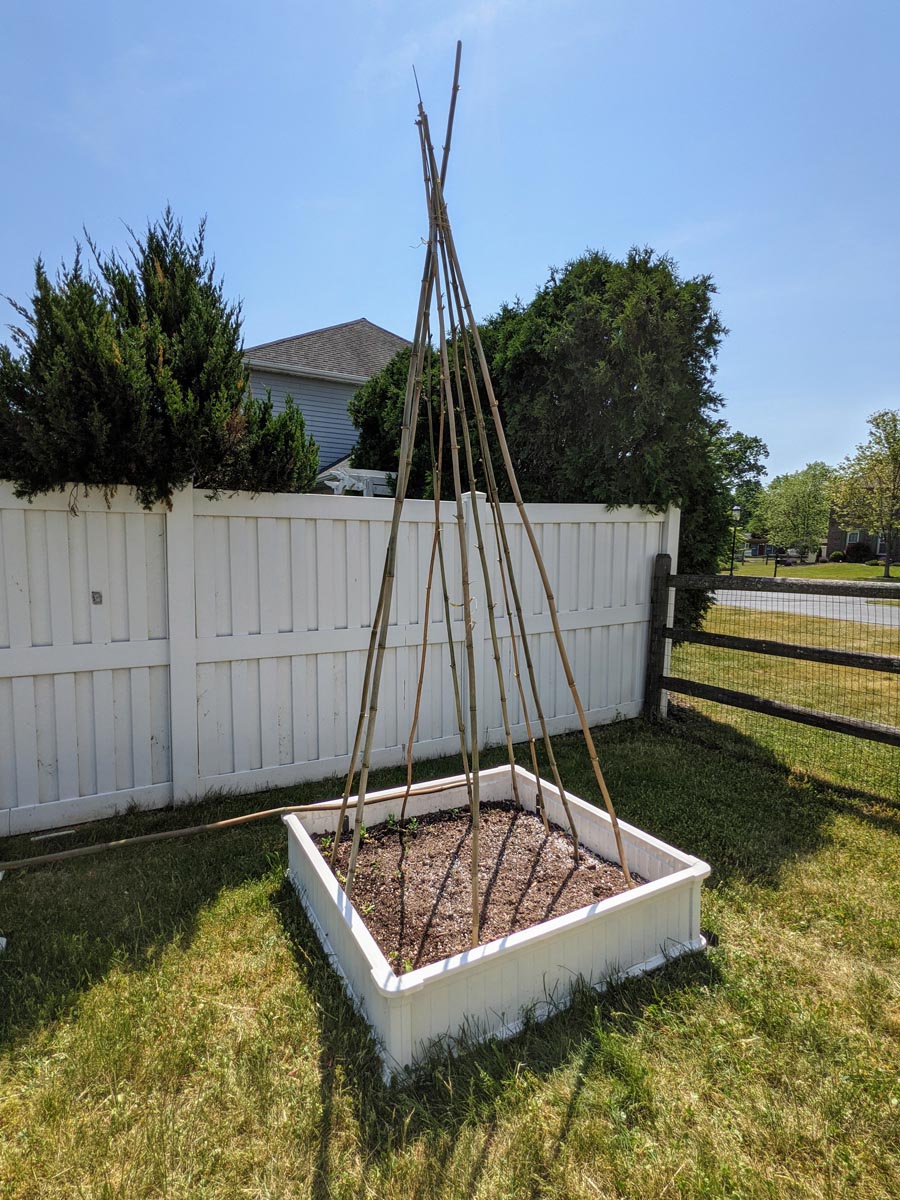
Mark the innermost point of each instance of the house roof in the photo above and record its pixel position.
(353, 350)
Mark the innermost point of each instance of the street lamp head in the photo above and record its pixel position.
(736, 514)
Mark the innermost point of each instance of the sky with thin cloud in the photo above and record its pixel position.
(754, 142)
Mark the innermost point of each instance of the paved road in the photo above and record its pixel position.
(835, 608)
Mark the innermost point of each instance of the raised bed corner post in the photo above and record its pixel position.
(656, 653)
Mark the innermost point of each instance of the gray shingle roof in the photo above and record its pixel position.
(355, 348)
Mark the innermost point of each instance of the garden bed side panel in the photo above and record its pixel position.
(485, 990)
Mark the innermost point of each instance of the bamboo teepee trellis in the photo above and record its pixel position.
(464, 382)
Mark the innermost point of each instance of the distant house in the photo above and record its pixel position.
(322, 370)
(840, 539)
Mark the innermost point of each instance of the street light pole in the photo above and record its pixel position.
(735, 517)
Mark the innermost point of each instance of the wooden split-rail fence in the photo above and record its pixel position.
(663, 632)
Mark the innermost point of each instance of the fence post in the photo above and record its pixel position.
(671, 533)
(656, 654)
(182, 646)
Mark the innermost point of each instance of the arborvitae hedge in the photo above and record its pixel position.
(131, 372)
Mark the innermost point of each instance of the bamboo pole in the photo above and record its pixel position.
(520, 617)
(504, 556)
(408, 433)
(379, 617)
(576, 852)
(479, 539)
(42, 860)
(426, 611)
(446, 384)
(538, 557)
(436, 548)
(517, 675)
(360, 724)
(407, 443)
(424, 305)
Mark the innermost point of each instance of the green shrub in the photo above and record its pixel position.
(132, 373)
(874, 562)
(837, 556)
(858, 552)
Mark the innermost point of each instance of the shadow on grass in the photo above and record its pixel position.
(819, 796)
(70, 923)
(709, 791)
(468, 1084)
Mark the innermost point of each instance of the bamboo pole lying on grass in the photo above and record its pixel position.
(42, 860)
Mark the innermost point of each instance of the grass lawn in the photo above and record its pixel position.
(826, 570)
(170, 1027)
(850, 692)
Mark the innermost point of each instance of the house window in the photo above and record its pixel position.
(882, 546)
(852, 536)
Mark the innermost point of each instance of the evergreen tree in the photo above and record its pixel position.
(132, 373)
(605, 385)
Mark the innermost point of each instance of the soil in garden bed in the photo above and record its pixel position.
(413, 885)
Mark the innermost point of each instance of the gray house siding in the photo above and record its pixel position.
(323, 404)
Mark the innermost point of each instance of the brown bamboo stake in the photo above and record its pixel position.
(436, 548)
(408, 431)
(576, 851)
(42, 860)
(407, 443)
(373, 642)
(360, 724)
(517, 674)
(463, 549)
(505, 556)
(479, 539)
(526, 646)
(451, 652)
(538, 557)
(376, 619)
(426, 613)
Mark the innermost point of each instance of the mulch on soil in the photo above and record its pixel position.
(413, 885)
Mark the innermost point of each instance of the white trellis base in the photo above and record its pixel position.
(484, 991)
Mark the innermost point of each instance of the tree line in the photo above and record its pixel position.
(861, 493)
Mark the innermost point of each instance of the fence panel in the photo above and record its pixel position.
(790, 662)
(152, 656)
(599, 563)
(84, 657)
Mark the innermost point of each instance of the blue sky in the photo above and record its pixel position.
(754, 141)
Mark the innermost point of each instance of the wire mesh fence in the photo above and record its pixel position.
(839, 623)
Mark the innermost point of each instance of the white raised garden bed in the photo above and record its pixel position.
(485, 990)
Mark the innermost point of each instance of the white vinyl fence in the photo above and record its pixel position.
(151, 657)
